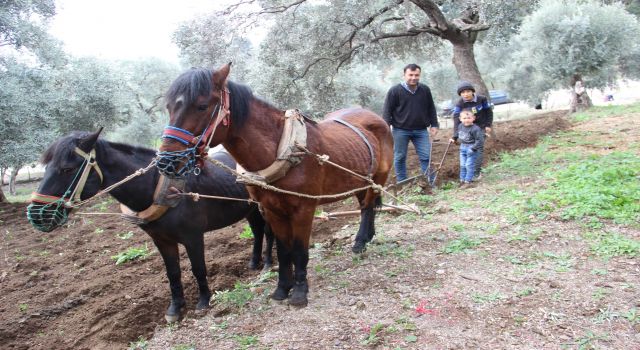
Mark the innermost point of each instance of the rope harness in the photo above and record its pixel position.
(48, 212)
(176, 164)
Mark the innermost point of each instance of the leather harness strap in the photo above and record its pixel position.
(160, 202)
(364, 138)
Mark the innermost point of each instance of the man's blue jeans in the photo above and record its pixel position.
(401, 138)
(468, 159)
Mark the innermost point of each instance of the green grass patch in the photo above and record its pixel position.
(606, 111)
(602, 186)
(587, 189)
(140, 344)
(237, 297)
(23, 195)
(131, 254)
(462, 244)
(246, 232)
(609, 245)
(487, 298)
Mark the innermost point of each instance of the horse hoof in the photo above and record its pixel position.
(253, 265)
(171, 318)
(202, 306)
(359, 247)
(280, 293)
(298, 298)
(174, 311)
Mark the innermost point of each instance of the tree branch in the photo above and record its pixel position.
(436, 18)
(469, 27)
(410, 32)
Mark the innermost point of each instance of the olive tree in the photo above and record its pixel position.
(143, 104)
(572, 45)
(311, 46)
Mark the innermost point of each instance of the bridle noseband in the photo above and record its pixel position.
(175, 164)
(47, 212)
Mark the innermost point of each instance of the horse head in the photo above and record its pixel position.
(71, 175)
(198, 105)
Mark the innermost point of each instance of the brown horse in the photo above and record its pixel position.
(251, 132)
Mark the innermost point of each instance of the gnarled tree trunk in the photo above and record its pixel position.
(465, 62)
(580, 100)
(12, 180)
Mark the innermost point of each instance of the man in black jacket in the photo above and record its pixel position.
(481, 109)
(409, 110)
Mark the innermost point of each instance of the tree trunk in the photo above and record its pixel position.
(3, 199)
(12, 180)
(465, 62)
(3, 172)
(580, 100)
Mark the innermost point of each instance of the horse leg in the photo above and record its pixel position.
(171, 258)
(367, 225)
(301, 227)
(257, 224)
(268, 260)
(285, 270)
(195, 250)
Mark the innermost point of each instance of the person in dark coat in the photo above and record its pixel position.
(410, 111)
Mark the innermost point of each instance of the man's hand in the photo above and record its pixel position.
(433, 131)
(487, 130)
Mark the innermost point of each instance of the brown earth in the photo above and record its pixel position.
(62, 290)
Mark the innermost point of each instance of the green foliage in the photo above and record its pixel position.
(22, 25)
(125, 235)
(374, 335)
(487, 298)
(608, 245)
(596, 112)
(603, 186)
(140, 344)
(566, 38)
(142, 101)
(246, 341)
(462, 244)
(131, 254)
(246, 232)
(23, 307)
(238, 297)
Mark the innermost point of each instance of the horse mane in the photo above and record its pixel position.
(67, 144)
(198, 82)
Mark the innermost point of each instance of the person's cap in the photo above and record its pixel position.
(465, 85)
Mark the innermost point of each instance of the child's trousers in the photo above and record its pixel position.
(468, 159)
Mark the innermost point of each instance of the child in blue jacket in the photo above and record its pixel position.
(481, 109)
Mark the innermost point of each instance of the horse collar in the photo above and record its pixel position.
(293, 135)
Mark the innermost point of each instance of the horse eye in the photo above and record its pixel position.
(67, 170)
(203, 107)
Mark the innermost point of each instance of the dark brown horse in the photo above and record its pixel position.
(184, 224)
(251, 133)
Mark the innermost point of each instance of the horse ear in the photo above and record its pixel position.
(220, 76)
(86, 143)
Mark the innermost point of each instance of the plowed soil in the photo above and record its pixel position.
(62, 290)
